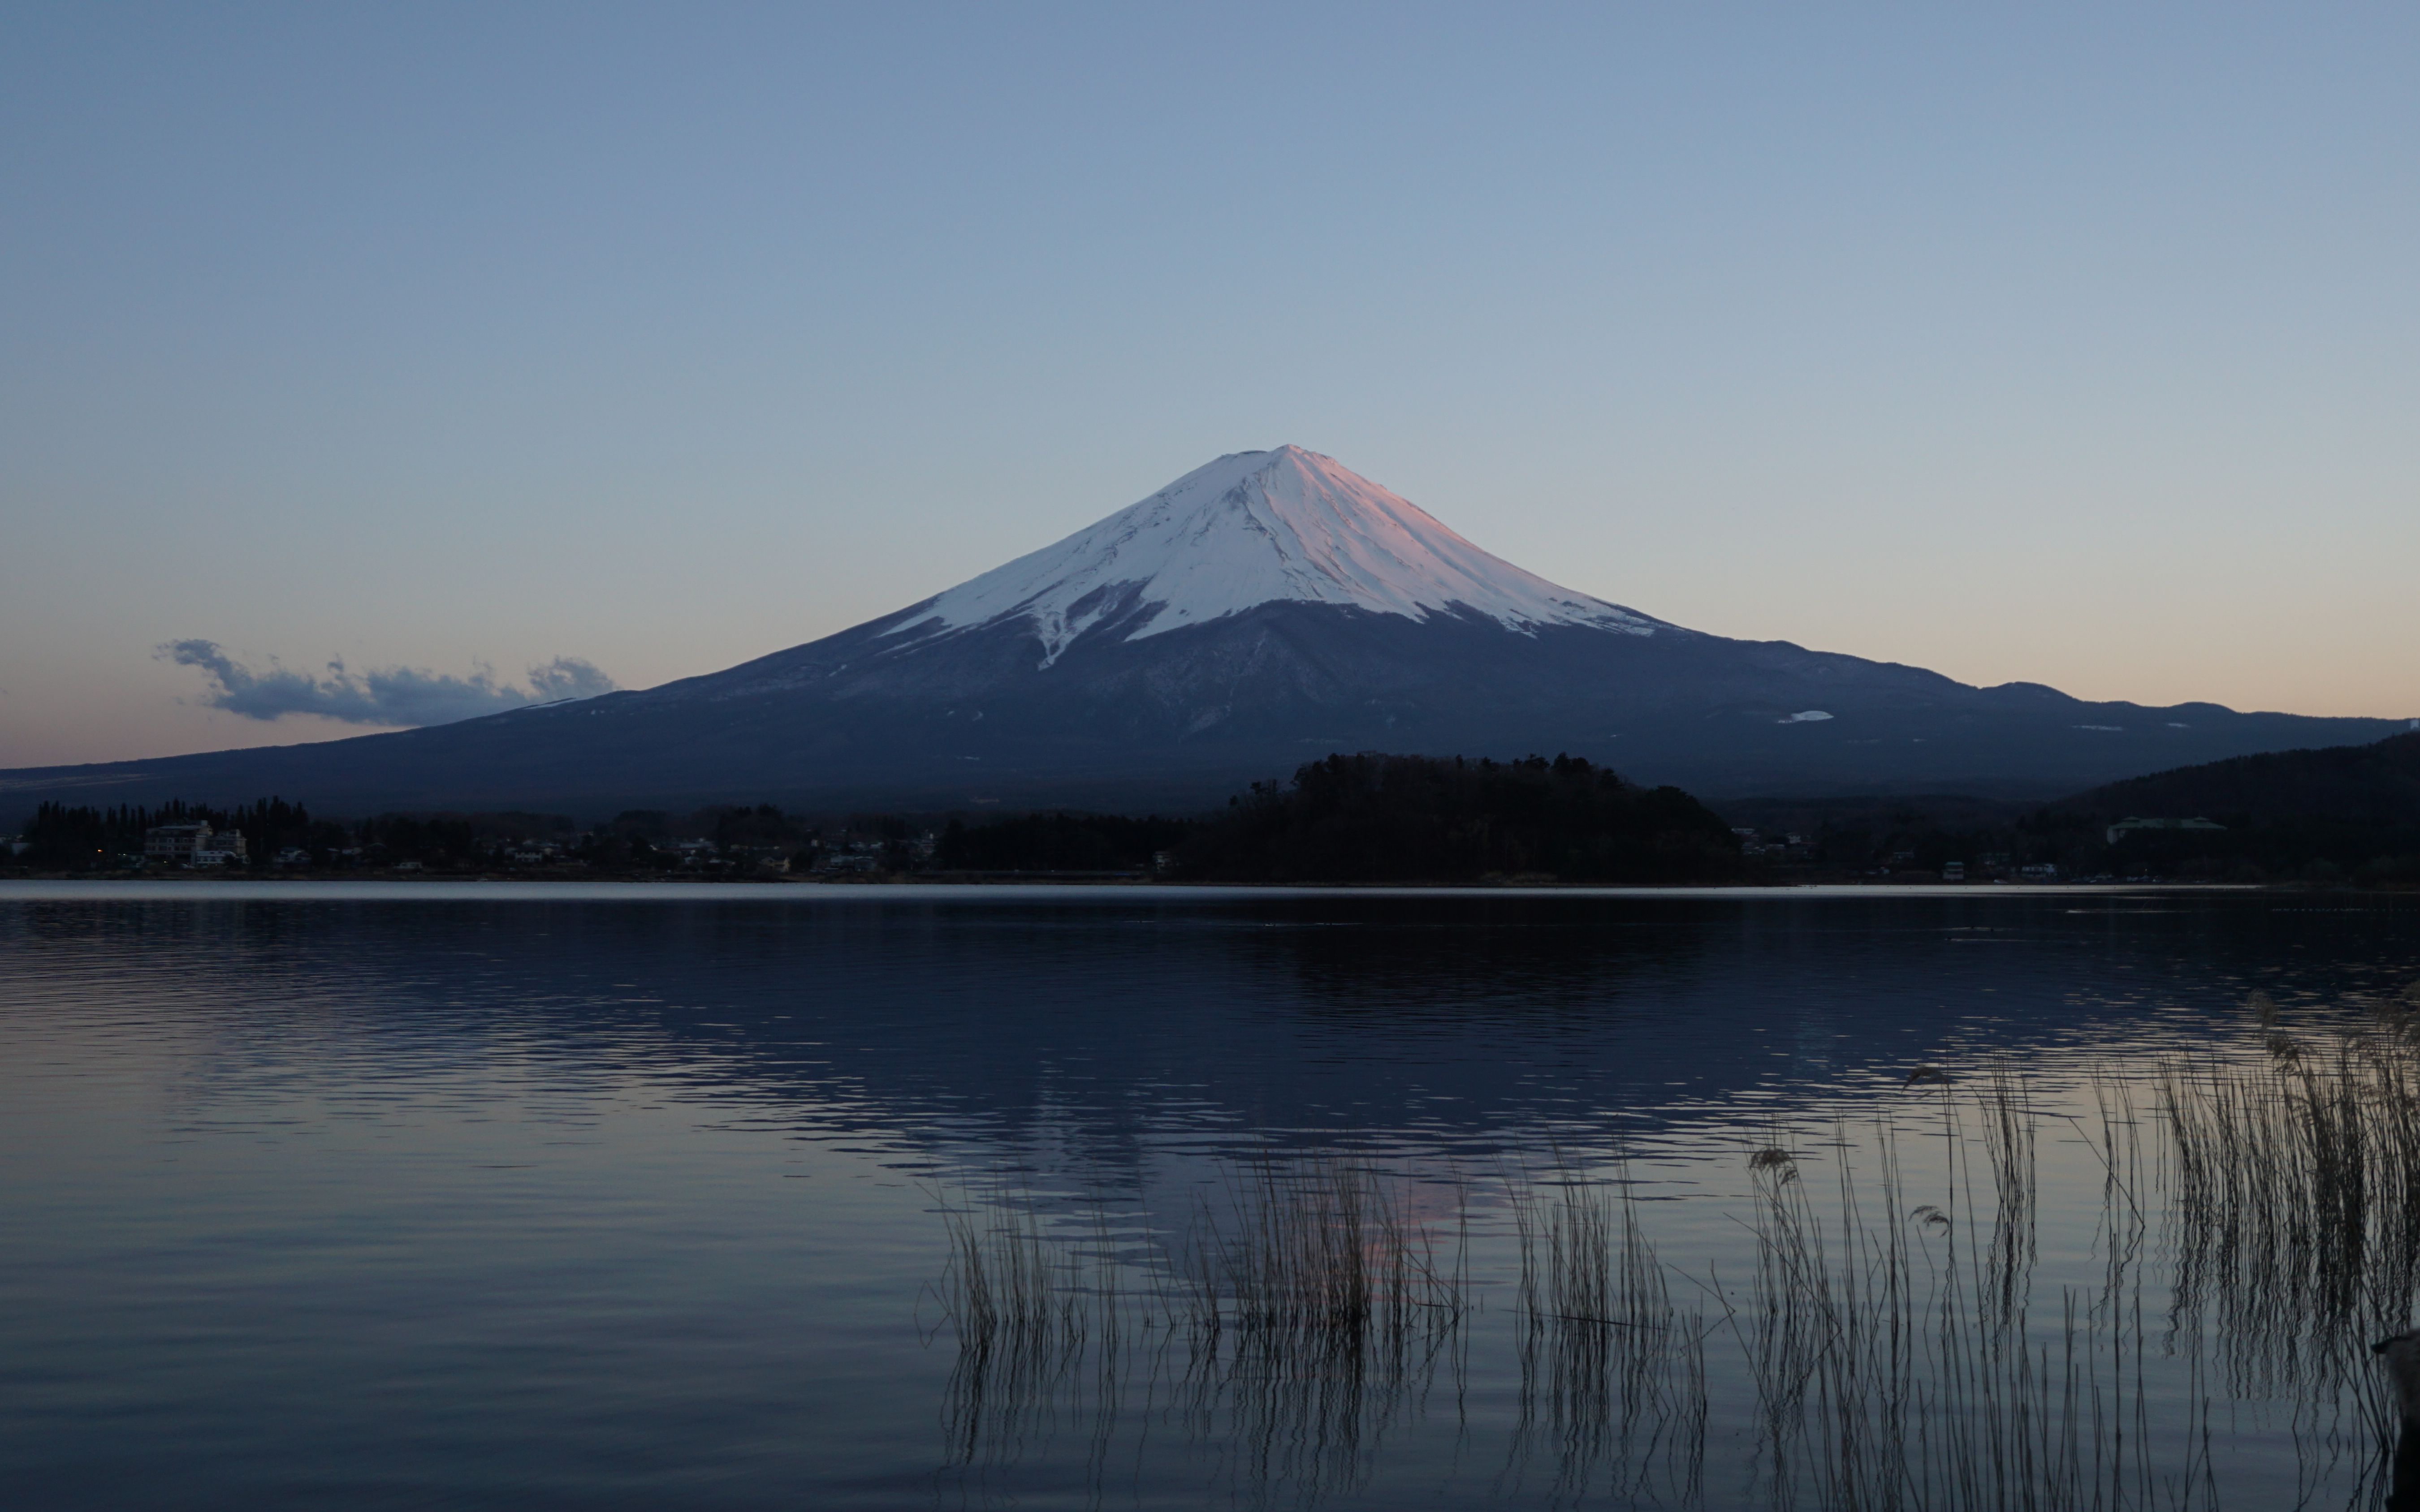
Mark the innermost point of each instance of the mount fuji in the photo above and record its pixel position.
(1259, 613)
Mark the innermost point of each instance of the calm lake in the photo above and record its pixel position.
(508, 1195)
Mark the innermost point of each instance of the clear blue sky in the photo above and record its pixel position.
(2078, 344)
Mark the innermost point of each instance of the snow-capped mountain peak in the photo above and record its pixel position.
(1249, 529)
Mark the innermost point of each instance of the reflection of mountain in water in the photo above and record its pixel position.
(1427, 1021)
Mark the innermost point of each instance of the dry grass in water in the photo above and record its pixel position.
(1324, 1246)
(1893, 1347)
(1613, 1374)
(1890, 1350)
(2297, 1212)
(1297, 1319)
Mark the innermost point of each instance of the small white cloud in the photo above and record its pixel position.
(390, 695)
(1804, 717)
(2101, 727)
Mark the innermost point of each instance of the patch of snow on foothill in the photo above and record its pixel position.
(1249, 529)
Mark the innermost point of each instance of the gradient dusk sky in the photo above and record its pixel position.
(2070, 344)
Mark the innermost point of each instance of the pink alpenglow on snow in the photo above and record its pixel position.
(1253, 527)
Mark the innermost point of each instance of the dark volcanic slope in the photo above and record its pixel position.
(1182, 718)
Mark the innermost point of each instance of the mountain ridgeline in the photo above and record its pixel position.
(1262, 609)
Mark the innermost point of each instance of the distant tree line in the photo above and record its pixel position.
(1366, 818)
(720, 838)
(1380, 818)
(62, 838)
(652, 840)
(2344, 814)
(1377, 818)
(1916, 836)
(1061, 841)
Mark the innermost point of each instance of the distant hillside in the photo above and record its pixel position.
(2351, 812)
(2374, 784)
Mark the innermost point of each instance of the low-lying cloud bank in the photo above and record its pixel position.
(389, 695)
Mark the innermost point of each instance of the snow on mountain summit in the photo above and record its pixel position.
(1249, 529)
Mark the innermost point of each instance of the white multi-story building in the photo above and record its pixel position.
(176, 842)
(195, 845)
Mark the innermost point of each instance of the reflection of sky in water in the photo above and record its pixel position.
(517, 1202)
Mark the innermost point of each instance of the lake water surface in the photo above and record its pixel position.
(501, 1195)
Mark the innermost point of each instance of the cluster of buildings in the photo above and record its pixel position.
(1994, 866)
(705, 855)
(1902, 866)
(2000, 867)
(847, 857)
(1757, 843)
(195, 845)
(200, 845)
(2131, 825)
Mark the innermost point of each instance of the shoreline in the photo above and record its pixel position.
(454, 889)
